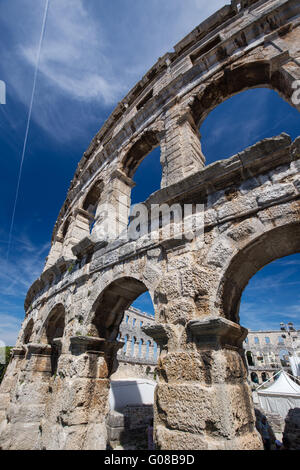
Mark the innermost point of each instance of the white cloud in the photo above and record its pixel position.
(73, 55)
(92, 53)
(22, 268)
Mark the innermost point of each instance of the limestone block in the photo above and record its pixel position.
(191, 408)
(245, 230)
(186, 367)
(25, 413)
(169, 287)
(20, 436)
(276, 193)
(236, 208)
(282, 214)
(180, 311)
(96, 437)
(167, 439)
(220, 253)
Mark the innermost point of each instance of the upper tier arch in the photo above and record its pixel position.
(243, 45)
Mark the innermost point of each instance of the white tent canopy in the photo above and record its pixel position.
(281, 396)
(131, 392)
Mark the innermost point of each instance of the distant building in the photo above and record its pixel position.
(138, 357)
(269, 351)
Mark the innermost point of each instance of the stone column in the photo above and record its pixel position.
(7, 390)
(55, 252)
(79, 228)
(181, 153)
(144, 350)
(112, 215)
(75, 419)
(203, 400)
(27, 406)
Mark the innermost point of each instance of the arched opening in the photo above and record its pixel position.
(261, 292)
(264, 376)
(244, 119)
(66, 227)
(28, 332)
(139, 150)
(110, 307)
(53, 331)
(115, 312)
(277, 243)
(224, 114)
(142, 163)
(147, 177)
(91, 202)
(254, 378)
(250, 358)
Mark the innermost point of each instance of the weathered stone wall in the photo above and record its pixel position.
(55, 392)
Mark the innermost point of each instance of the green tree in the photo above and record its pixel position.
(7, 357)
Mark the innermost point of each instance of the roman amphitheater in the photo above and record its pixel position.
(55, 391)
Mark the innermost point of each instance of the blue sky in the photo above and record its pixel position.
(93, 52)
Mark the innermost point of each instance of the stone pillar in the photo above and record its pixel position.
(27, 406)
(55, 252)
(76, 418)
(112, 215)
(7, 388)
(144, 350)
(181, 153)
(79, 228)
(203, 400)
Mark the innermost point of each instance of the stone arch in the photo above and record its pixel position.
(54, 324)
(254, 377)
(149, 140)
(148, 346)
(275, 243)
(65, 227)
(264, 376)
(237, 78)
(250, 358)
(91, 203)
(108, 309)
(28, 332)
(92, 198)
(52, 333)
